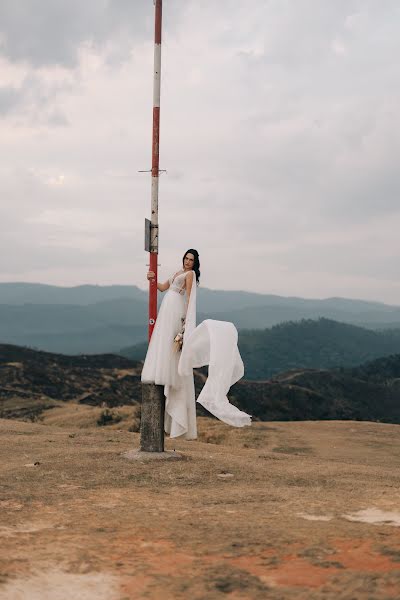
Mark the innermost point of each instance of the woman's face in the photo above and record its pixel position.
(188, 261)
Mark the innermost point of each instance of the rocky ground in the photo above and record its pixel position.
(305, 510)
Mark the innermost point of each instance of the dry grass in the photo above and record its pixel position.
(249, 513)
(83, 416)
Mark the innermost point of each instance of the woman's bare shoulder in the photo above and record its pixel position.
(189, 276)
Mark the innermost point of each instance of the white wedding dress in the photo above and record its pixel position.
(212, 343)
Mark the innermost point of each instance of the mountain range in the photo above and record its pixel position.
(97, 319)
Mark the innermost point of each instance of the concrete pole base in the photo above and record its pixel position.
(149, 456)
(152, 418)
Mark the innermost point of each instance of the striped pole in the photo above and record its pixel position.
(155, 167)
(153, 401)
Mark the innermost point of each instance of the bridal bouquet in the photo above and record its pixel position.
(178, 339)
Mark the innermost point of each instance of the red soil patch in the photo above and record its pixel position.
(358, 555)
(293, 570)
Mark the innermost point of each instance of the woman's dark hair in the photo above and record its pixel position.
(196, 264)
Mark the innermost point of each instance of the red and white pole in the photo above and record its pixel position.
(153, 401)
(155, 167)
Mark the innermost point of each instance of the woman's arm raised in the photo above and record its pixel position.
(160, 286)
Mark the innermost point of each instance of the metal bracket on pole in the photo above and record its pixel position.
(150, 236)
(154, 238)
(147, 234)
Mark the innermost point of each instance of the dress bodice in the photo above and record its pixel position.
(177, 283)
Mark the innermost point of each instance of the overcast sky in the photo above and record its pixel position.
(280, 131)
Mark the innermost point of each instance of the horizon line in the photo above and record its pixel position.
(107, 285)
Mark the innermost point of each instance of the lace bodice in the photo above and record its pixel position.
(177, 283)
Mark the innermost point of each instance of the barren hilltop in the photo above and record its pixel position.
(304, 509)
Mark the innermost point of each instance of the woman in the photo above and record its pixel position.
(212, 342)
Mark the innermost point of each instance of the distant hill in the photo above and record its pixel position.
(320, 344)
(136, 352)
(336, 394)
(309, 344)
(87, 341)
(364, 314)
(31, 382)
(74, 329)
(39, 293)
(96, 319)
(384, 370)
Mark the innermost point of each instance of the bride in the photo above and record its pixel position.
(212, 343)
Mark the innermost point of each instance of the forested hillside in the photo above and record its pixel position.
(319, 344)
(367, 393)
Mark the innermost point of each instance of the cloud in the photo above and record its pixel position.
(34, 99)
(279, 131)
(52, 32)
(10, 98)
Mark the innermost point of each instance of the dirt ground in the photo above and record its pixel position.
(305, 510)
